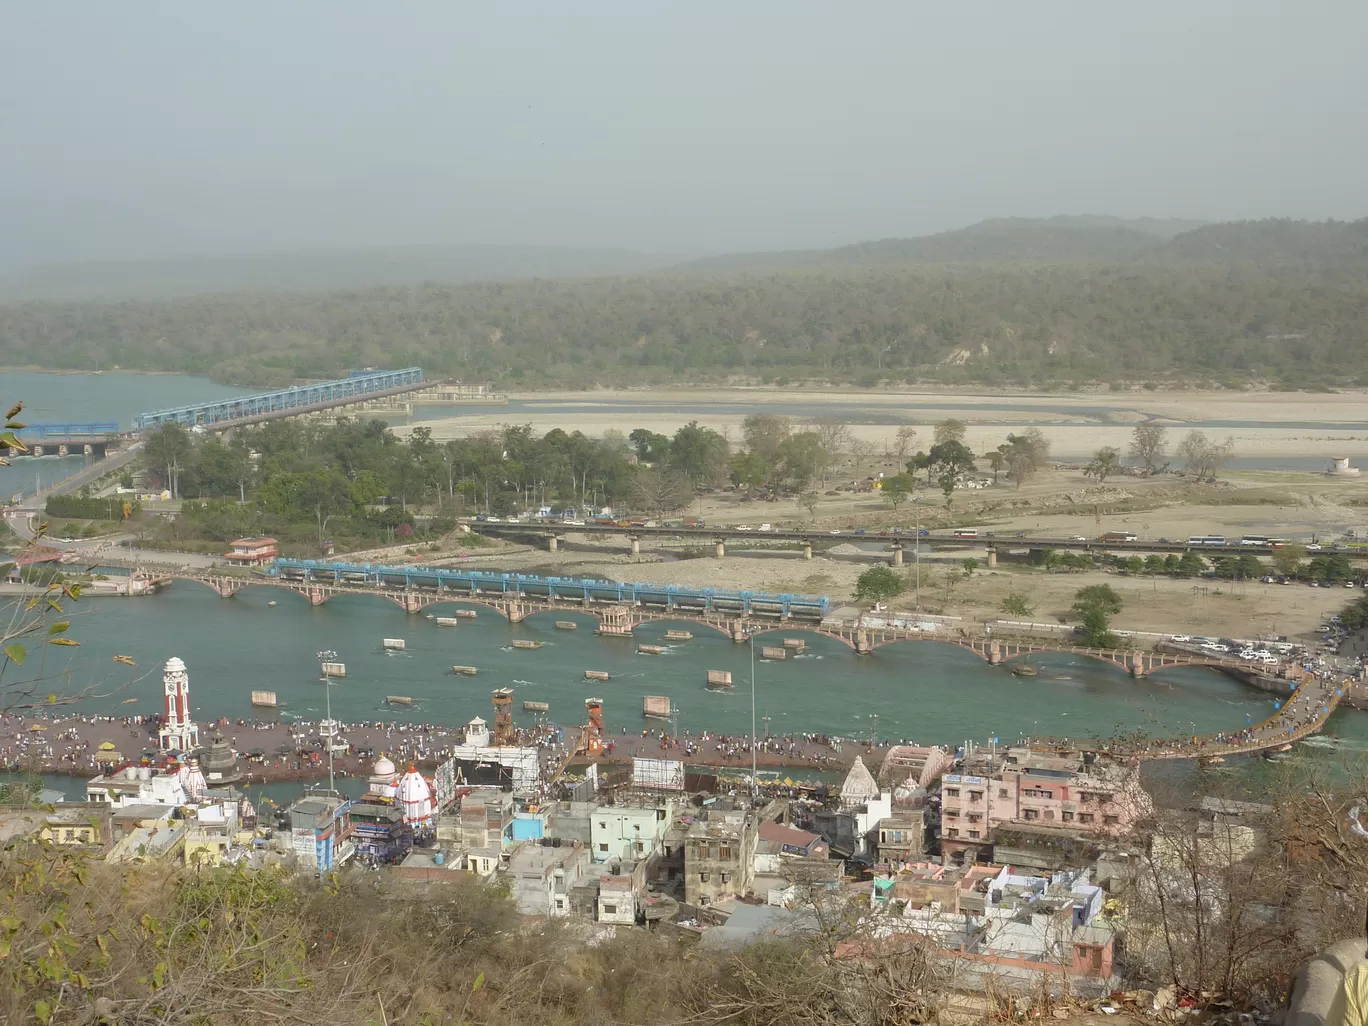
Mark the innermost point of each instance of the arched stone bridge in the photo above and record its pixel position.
(616, 619)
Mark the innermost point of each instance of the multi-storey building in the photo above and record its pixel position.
(1081, 794)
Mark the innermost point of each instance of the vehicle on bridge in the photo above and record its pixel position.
(1119, 536)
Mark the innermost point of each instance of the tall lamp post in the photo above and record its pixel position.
(755, 787)
(328, 656)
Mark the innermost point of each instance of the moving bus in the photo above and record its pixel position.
(1255, 539)
(1207, 539)
(966, 532)
(1118, 536)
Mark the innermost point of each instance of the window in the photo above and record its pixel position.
(952, 813)
(1037, 792)
(724, 853)
(726, 877)
(603, 846)
(560, 903)
(660, 815)
(704, 852)
(610, 910)
(953, 832)
(952, 792)
(603, 826)
(976, 796)
(1049, 813)
(974, 834)
(704, 900)
(1110, 820)
(704, 877)
(636, 827)
(1030, 814)
(974, 817)
(1002, 793)
(1068, 817)
(1085, 817)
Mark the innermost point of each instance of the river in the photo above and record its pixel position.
(928, 692)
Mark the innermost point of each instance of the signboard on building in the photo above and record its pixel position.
(658, 774)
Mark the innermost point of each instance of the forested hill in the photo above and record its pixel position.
(999, 240)
(1220, 304)
(314, 271)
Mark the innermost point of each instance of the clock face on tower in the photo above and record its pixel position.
(170, 687)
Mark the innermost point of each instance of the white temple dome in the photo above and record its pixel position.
(415, 796)
(383, 767)
(175, 665)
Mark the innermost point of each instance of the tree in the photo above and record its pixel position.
(1204, 457)
(1287, 560)
(660, 491)
(950, 459)
(764, 434)
(878, 584)
(801, 458)
(1017, 604)
(836, 438)
(809, 502)
(1105, 462)
(748, 470)
(997, 458)
(898, 489)
(650, 446)
(1095, 605)
(1148, 444)
(969, 565)
(1025, 454)
(903, 441)
(1191, 565)
(166, 450)
(949, 430)
(1103, 596)
(700, 454)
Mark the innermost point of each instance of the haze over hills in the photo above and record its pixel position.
(998, 241)
(1272, 301)
(312, 270)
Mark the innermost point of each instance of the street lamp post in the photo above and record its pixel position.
(754, 760)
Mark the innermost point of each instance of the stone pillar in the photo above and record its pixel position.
(721, 548)
(862, 645)
(992, 557)
(994, 653)
(1137, 665)
(738, 633)
(897, 554)
(413, 603)
(552, 543)
(807, 550)
(317, 596)
(636, 546)
(89, 450)
(515, 612)
(62, 450)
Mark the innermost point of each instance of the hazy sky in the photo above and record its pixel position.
(143, 129)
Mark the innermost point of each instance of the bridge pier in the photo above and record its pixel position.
(89, 450)
(807, 550)
(720, 548)
(738, 632)
(412, 603)
(316, 595)
(37, 450)
(63, 450)
(862, 645)
(552, 543)
(516, 611)
(992, 557)
(897, 554)
(994, 653)
(1138, 666)
(636, 545)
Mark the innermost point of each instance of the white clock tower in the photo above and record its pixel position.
(178, 731)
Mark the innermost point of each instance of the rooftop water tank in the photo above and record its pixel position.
(144, 772)
(131, 773)
(439, 859)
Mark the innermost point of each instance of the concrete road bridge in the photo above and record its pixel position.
(901, 543)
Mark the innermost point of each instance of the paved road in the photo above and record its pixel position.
(983, 539)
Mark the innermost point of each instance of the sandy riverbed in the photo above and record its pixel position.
(1077, 424)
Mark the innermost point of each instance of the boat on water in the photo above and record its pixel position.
(719, 679)
(566, 625)
(678, 636)
(398, 700)
(525, 643)
(464, 671)
(536, 707)
(650, 649)
(596, 674)
(447, 621)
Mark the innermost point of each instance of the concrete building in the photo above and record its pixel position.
(542, 876)
(137, 785)
(621, 893)
(628, 831)
(211, 832)
(251, 552)
(320, 831)
(75, 824)
(719, 856)
(902, 836)
(1076, 794)
(484, 820)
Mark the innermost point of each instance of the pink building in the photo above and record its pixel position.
(1077, 793)
(252, 552)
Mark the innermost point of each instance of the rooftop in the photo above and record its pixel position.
(777, 833)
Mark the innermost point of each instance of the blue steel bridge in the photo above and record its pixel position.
(253, 409)
(481, 584)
